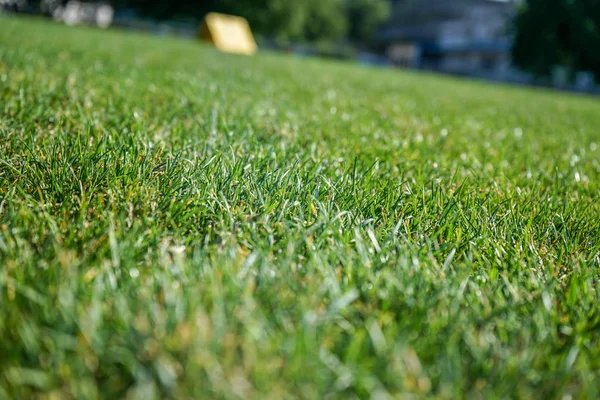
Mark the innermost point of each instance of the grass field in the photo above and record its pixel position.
(180, 223)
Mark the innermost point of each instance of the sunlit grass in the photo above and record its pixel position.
(175, 222)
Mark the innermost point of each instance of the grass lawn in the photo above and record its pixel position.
(180, 223)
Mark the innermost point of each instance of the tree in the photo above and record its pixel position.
(295, 20)
(558, 32)
(312, 20)
(281, 19)
(325, 20)
(364, 16)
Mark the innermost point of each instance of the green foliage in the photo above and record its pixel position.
(276, 18)
(325, 20)
(365, 15)
(180, 223)
(314, 20)
(558, 32)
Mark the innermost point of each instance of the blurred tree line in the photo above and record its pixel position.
(552, 33)
(280, 19)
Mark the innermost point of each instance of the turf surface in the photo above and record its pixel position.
(175, 222)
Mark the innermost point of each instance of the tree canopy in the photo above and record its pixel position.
(282, 19)
(558, 32)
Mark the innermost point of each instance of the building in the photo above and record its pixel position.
(456, 36)
(75, 13)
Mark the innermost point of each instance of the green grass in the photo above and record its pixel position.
(180, 223)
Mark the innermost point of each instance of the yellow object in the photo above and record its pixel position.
(228, 33)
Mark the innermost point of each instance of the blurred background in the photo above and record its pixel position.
(551, 43)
